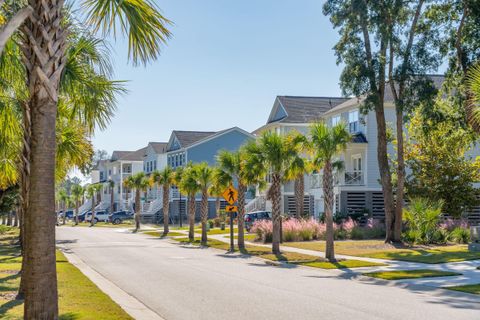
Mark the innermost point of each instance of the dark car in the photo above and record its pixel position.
(69, 214)
(120, 216)
(81, 216)
(251, 217)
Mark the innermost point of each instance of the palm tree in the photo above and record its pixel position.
(62, 199)
(220, 181)
(164, 178)
(189, 185)
(177, 178)
(111, 187)
(327, 143)
(299, 166)
(77, 195)
(44, 45)
(230, 164)
(204, 175)
(91, 192)
(271, 155)
(140, 183)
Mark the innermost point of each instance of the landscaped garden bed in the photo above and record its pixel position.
(470, 288)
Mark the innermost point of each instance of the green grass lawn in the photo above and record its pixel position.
(214, 231)
(79, 298)
(410, 274)
(248, 237)
(160, 233)
(289, 257)
(378, 249)
(471, 288)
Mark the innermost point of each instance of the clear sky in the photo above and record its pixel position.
(223, 67)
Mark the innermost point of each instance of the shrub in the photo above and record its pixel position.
(460, 235)
(211, 223)
(358, 233)
(422, 217)
(263, 230)
(217, 222)
(442, 235)
(4, 229)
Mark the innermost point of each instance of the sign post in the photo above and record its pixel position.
(231, 196)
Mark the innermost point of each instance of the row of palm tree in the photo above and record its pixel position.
(271, 157)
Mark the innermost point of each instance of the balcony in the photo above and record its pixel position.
(354, 178)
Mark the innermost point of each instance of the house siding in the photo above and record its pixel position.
(208, 150)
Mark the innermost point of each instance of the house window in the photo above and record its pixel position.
(353, 121)
(357, 163)
(335, 120)
(154, 164)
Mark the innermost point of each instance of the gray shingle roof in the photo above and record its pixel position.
(116, 155)
(135, 155)
(187, 138)
(306, 109)
(159, 147)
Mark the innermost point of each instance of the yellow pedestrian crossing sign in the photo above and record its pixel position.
(230, 195)
(231, 209)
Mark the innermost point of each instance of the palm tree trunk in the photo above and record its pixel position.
(217, 207)
(328, 202)
(92, 221)
(15, 219)
(137, 209)
(64, 212)
(397, 230)
(276, 215)
(76, 212)
(204, 214)
(166, 208)
(9, 219)
(299, 196)
(242, 189)
(191, 216)
(112, 199)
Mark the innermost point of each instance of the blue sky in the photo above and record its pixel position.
(223, 67)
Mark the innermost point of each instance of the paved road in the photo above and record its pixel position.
(192, 283)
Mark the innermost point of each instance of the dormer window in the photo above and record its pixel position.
(335, 120)
(353, 121)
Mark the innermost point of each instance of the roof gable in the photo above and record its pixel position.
(294, 109)
(183, 139)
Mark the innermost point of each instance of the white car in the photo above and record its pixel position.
(99, 216)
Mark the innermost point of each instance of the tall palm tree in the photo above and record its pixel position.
(299, 166)
(189, 185)
(91, 192)
(327, 143)
(271, 155)
(77, 195)
(63, 198)
(164, 178)
(111, 187)
(140, 183)
(204, 177)
(220, 181)
(233, 171)
(177, 178)
(44, 44)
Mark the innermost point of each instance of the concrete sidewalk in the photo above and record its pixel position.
(470, 275)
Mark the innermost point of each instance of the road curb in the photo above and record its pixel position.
(127, 302)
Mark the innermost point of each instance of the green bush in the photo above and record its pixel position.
(422, 217)
(442, 236)
(460, 235)
(211, 223)
(358, 233)
(340, 234)
(4, 229)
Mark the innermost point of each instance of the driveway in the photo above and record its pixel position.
(182, 282)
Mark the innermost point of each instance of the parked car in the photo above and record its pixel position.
(99, 216)
(120, 216)
(68, 213)
(251, 217)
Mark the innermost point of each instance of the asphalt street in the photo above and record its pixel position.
(182, 282)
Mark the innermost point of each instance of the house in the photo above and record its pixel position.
(196, 147)
(120, 165)
(357, 186)
(296, 113)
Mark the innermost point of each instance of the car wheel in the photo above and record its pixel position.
(117, 221)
